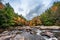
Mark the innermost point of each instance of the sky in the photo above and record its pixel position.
(30, 8)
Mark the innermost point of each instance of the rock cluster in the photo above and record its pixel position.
(26, 35)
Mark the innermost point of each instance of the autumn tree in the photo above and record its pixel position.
(20, 20)
(35, 21)
(52, 15)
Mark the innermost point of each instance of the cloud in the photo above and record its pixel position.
(30, 8)
(38, 9)
(34, 11)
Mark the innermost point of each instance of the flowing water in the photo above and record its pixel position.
(35, 34)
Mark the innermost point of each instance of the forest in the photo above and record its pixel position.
(8, 18)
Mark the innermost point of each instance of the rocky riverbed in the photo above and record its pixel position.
(34, 34)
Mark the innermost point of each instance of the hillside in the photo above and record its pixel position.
(9, 18)
(51, 16)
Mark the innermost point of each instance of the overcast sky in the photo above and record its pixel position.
(30, 8)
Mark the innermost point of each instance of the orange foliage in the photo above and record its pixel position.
(35, 21)
(30, 23)
(19, 20)
(54, 8)
(1, 5)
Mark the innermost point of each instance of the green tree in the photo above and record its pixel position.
(9, 12)
(6, 16)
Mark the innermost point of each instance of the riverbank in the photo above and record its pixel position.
(30, 27)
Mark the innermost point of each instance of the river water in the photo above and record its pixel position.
(34, 34)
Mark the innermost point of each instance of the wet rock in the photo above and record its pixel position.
(27, 35)
(7, 39)
(58, 38)
(18, 37)
(47, 33)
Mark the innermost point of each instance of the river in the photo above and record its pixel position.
(34, 34)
